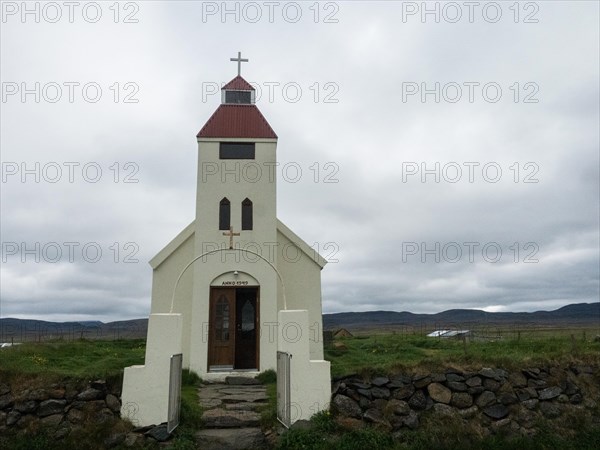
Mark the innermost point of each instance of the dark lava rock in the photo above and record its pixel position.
(576, 399)
(380, 381)
(531, 404)
(454, 377)
(359, 385)
(421, 381)
(522, 395)
(457, 386)
(418, 401)
(90, 394)
(404, 392)
(346, 406)
(507, 398)
(491, 385)
(532, 372)
(159, 433)
(365, 393)
(475, 390)
(378, 392)
(473, 382)
(12, 418)
(376, 416)
(364, 403)
(50, 407)
(461, 400)
(550, 393)
(99, 385)
(412, 420)
(25, 407)
(113, 403)
(536, 384)
(485, 399)
(398, 407)
(496, 374)
(6, 400)
(496, 412)
(517, 379)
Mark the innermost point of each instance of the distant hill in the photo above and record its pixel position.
(570, 315)
(581, 314)
(26, 330)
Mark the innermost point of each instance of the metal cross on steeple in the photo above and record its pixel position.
(239, 61)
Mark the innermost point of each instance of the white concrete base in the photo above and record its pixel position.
(145, 393)
(310, 380)
(219, 377)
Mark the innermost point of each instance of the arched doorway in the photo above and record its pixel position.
(233, 329)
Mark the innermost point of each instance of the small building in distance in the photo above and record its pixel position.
(342, 333)
(447, 334)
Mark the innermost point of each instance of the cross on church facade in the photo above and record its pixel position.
(231, 234)
(239, 61)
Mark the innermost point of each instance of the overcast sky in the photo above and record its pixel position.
(372, 101)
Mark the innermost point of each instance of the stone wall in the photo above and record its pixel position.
(493, 398)
(67, 409)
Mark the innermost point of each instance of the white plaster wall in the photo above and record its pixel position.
(310, 380)
(302, 278)
(163, 282)
(145, 394)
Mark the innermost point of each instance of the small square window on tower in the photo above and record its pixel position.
(236, 150)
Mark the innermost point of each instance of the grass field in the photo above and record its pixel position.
(77, 359)
(392, 352)
(378, 353)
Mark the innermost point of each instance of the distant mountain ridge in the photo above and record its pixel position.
(21, 330)
(575, 314)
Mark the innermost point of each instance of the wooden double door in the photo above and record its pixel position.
(233, 331)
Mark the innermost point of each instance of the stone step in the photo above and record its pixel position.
(239, 380)
(221, 418)
(231, 439)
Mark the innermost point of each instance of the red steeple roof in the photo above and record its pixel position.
(237, 121)
(238, 84)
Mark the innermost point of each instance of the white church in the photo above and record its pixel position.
(236, 285)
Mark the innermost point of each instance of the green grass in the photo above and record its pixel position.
(77, 359)
(434, 434)
(388, 353)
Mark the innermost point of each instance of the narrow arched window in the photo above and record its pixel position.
(246, 214)
(224, 214)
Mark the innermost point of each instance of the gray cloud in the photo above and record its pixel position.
(370, 137)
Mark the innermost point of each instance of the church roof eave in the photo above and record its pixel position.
(297, 240)
(173, 245)
(189, 231)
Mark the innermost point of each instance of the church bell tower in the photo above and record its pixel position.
(236, 216)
